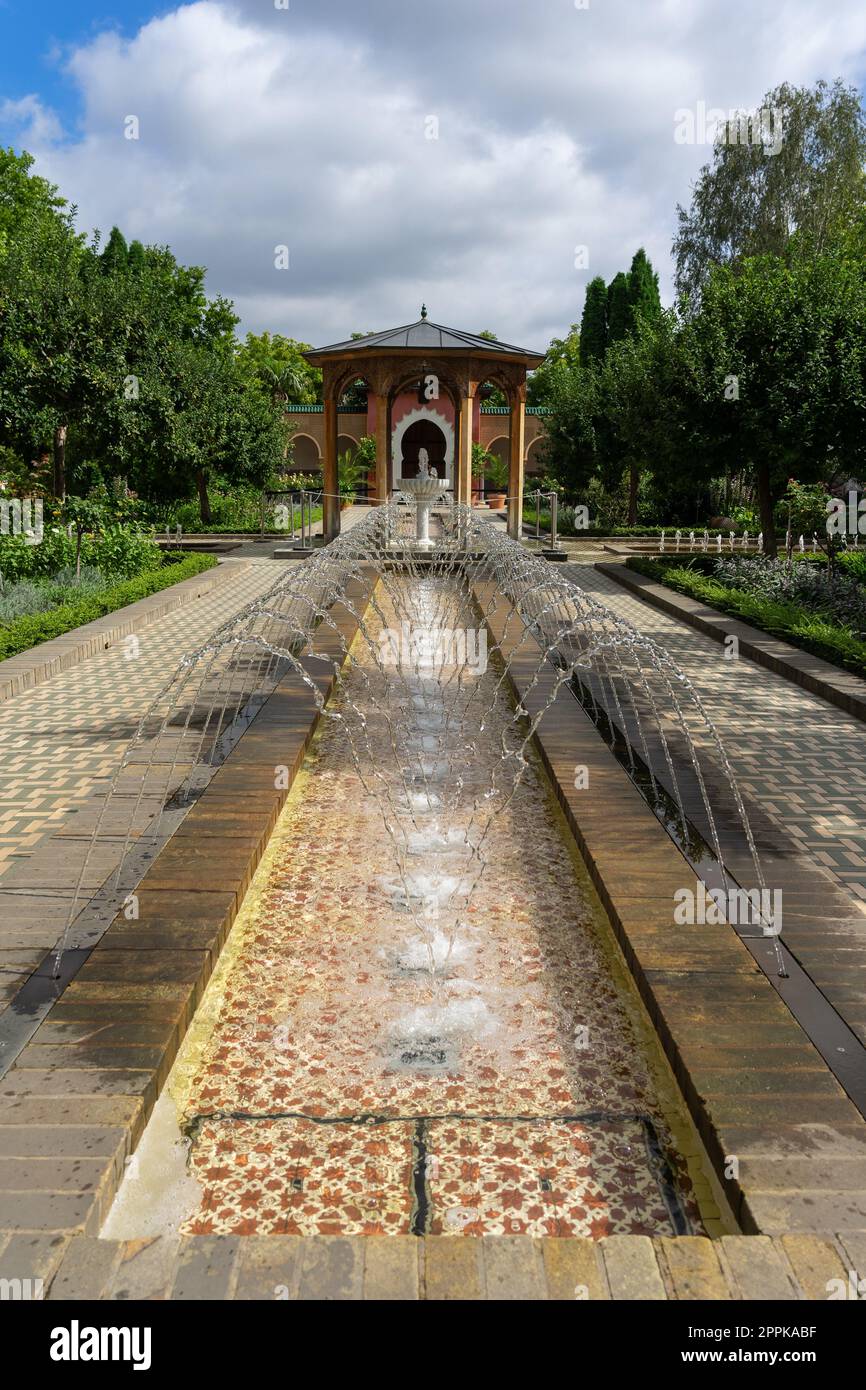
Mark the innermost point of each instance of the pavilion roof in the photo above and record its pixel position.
(423, 335)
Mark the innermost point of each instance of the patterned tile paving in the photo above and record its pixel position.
(798, 757)
(63, 740)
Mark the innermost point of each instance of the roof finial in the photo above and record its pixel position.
(423, 311)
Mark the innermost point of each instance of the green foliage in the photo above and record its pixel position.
(118, 552)
(481, 457)
(619, 318)
(593, 324)
(643, 290)
(118, 359)
(793, 623)
(562, 355)
(276, 366)
(349, 474)
(30, 630)
(853, 562)
(803, 184)
(496, 473)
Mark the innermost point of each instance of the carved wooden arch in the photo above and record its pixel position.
(510, 378)
(337, 377)
(407, 375)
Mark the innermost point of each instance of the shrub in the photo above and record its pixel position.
(119, 552)
(31, 629)
(22, 598)
(853, 563)
(840, 599)
(813, 632)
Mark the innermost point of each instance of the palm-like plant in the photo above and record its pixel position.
(349, 471)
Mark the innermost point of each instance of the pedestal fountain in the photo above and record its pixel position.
(425, 489)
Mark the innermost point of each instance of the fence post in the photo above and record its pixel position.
(554, 503)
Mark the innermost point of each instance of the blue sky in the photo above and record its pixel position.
(34, 36)
(461, 153)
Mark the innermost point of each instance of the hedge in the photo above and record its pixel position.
(789, 621)
(24, 633)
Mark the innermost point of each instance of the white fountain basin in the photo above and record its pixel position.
(424, 489)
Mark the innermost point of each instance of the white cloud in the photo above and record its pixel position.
(40, 123)
(307, 127)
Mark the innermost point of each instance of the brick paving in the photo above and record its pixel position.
(62, 741)
(435, 1268)
(794, 754)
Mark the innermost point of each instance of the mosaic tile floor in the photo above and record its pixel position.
(348, 1089)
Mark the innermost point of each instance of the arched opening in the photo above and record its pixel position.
(501, 448)
(305, 455)
(535, 459)
(423, 434)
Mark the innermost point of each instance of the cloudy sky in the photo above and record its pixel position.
(456, 151)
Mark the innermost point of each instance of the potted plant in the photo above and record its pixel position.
(480, 459)
(496, 474)
(348, 477)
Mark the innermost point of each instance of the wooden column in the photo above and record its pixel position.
(382, 448)
(463, 481)
(330, 502)
(517, 439)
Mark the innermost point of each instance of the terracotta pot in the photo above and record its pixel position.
(496, 501)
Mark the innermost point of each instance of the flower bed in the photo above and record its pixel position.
(831, 632)
(21, 633)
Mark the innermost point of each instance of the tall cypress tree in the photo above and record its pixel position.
(619, 317)
(116, 253)
(137, 257)
(593, 324)
(643, 290)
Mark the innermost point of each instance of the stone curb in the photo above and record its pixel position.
(32, 668)
(840, 688)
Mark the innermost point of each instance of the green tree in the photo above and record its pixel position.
(643, 290)
(619, 314)
(562, 355)
(115, 257)
(593, 324)
(778, 386)
(277, 365)
(804, 177)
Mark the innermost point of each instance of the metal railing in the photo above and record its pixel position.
(300, 506)
(553, 507)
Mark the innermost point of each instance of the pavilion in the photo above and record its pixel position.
(424, 382)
